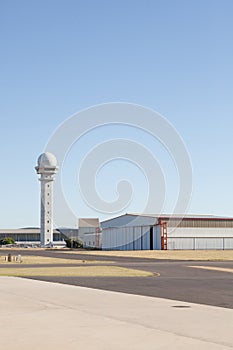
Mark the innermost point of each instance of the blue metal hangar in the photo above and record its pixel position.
(162, 232)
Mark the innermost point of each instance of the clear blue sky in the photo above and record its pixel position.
(58, 57)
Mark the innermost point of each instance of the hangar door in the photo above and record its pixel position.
(131, 238)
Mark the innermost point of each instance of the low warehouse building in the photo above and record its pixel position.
(31, 235)
(156, 232)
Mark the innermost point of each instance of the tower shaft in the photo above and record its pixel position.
(46, 213)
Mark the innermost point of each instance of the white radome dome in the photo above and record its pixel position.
(47, 160)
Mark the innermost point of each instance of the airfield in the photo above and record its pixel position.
(202, 281)
(111, 300)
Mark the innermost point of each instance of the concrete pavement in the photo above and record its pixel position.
(41, 315)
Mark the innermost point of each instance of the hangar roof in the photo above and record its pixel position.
(136, 219)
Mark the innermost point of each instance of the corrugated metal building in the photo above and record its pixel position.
(150, 232)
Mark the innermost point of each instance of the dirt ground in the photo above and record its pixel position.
(205, 255)
(31, 260)
(218, 255)
(87, 271)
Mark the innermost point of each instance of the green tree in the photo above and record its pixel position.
(7, 240)
(72, 243)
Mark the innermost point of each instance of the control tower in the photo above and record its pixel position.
(46, 168)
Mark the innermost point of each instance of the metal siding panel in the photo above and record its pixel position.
(106, 239)
(124, 239)
(200, 232)
(209, 243)
(137, 238)
(120, 238)
(228, 243)
(114, 239)
(110, 235)
(180, 243)
(143, 239)
(122, 245)
(146, 238)
(128, 238)
(111, 241)
(103, 240)
(109, 238)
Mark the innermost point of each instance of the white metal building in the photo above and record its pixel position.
(31, 235)
(156, 232)
(89, 232)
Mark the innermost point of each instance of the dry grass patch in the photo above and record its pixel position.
(167, 254)
(38, 260)
(82, 271)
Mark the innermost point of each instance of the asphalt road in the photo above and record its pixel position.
(177, 280)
